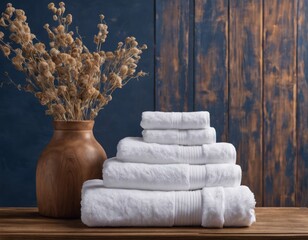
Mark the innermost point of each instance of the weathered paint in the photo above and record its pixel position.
(174, 69)
(280, 102)
(211, 62)
(245, 91)
(302, 105)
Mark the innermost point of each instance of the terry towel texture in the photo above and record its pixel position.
(169, 177)
(176, 175)
(209, 207)
(181, 137)
(175, 120)
(134, 149)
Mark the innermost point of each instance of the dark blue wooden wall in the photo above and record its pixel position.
(245, 61)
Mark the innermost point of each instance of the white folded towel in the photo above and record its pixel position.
(232, 207)
(210, 207)
(181, 137)
(134, 149)
(175, 120)
(117, 174)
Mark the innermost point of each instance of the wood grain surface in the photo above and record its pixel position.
(174, 72)
(240, 61)
(280, 88)
(302, 106)
(245, 77)
(272, 223)
(211, 62)
(72, 157)
(250, 72)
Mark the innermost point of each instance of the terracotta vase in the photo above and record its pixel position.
(72, 157)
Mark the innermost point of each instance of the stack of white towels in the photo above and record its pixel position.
(176, 175)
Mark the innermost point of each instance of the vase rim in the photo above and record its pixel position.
(75, 125)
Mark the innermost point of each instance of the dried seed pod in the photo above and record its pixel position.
(69, 19)
(43, 66)
(6, 50)
(51, 5)
(60, 28)
(141, 74)
(123, 70)
(2, 22)
(29, 88)
(144, 46)
(59, 11)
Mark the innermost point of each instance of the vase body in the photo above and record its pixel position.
(72, 157)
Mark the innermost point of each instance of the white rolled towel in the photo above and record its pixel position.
(175, 120)
(134, 149)
(181, 137)
(210, 207)
(169, 177)
(228, 207)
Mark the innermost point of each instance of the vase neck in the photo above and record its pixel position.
(73, 125)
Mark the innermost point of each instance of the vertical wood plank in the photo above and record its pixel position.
(174, 68)
(211, 62)
(280, 102)
(302, 107)
(245, 87)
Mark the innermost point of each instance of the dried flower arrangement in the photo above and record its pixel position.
(72, 82)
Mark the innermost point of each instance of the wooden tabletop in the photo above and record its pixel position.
(272, 223)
